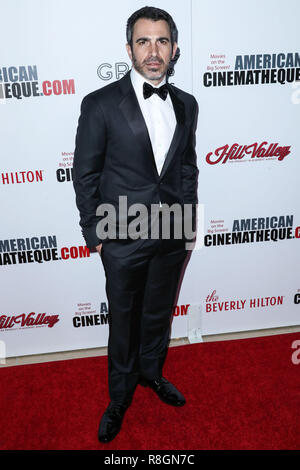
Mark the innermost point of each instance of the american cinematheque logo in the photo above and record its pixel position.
(252, 69)
(37, 249)
(64, 172)
(21, 81)
(252, 230)
(87, 316)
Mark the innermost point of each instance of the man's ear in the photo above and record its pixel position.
(129, 52)
(175, 45)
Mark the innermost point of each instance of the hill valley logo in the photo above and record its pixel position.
(252, 152)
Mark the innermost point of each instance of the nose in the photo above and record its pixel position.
(154, 49)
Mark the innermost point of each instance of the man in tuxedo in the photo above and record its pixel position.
(136, 138)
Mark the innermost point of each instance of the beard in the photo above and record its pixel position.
(140, 67)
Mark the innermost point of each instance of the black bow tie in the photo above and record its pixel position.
(162, 91)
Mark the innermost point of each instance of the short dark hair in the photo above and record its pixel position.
(154, 14)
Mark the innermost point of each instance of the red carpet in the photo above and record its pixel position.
(241, 394)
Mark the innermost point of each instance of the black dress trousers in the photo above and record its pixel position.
(141, 289)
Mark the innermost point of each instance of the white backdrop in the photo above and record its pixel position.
(65, 50)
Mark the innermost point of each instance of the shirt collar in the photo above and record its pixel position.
(138, 80)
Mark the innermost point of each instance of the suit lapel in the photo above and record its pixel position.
(131, 110)
(178, 106)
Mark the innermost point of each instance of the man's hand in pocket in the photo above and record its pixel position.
(98, 248)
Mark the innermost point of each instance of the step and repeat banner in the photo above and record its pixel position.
(242, 64)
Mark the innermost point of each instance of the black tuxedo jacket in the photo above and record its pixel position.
(114, 157)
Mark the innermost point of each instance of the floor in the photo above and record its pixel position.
(64, 355)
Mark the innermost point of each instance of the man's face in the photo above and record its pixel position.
(151, 49)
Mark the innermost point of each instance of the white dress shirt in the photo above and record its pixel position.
(159, 116)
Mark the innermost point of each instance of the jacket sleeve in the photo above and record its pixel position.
(189, 169)
(88, 164)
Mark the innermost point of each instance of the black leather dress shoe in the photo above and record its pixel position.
(111, 421)
(165, 391)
